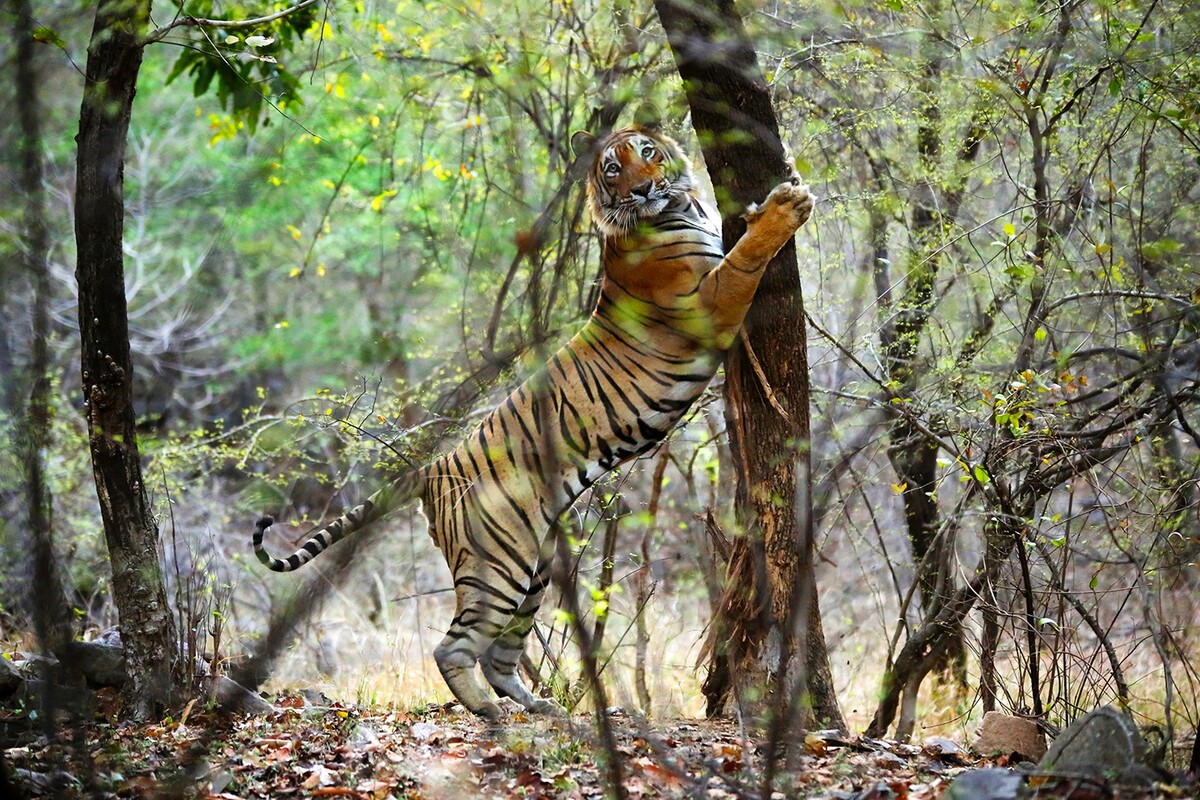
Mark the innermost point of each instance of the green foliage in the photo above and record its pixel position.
(244, 70)
(334, 266)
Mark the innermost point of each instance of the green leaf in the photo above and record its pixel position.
(981, 475)
(47, 35)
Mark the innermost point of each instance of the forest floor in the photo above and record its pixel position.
(314, 751)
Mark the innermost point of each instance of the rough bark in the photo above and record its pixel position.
(147, 629)
(771, 591)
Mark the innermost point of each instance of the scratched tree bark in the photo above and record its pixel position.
(768, 622)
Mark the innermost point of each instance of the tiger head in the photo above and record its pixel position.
(636, 174)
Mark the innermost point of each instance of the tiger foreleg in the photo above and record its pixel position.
(728, 290)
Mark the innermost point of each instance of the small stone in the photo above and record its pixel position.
(1005, 734)
(986, 784)
(942, 749)
(232, 696)
(425, 731)
(888, 760)
(10, 677)
(54, 784)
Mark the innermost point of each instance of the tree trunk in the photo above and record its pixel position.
(147, 628)
(771, 595)
(51, 620)
(912, 455)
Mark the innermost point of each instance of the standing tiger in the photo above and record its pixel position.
(671, 302)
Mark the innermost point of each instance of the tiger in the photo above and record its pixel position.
(670, 304)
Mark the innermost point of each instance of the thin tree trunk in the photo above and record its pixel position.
(913, 456)
(641, 579)
(147, 627)
(51, 620)
(766, 374)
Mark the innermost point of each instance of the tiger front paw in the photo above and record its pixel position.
(786, 208)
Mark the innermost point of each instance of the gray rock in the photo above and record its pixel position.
(1102, 745)
(986, 784)
(54, 784)
(1004, 734)
(111, 637)
(232, 696)
(942, 749)
(101, 664)
(33, 693)
(10, 677)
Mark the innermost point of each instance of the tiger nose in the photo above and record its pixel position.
(642, 190)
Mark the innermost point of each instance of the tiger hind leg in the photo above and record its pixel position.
(484, 613)
(500, 661)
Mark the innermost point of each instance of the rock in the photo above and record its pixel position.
(1004, 734)
(33, 693)
(315, 698)
(425, 731)
(54, 784)
(232, 696)
(111, 637)
(1102, 744)
(10, 677)
(944, 750)
(986, 784)
(101, 664)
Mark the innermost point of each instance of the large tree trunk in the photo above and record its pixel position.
(771, 593)
(147, 629)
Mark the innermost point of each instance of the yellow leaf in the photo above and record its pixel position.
(1010, 230)
(379, 199)
(294, 231)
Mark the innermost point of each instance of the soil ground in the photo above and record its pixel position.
(306, 750)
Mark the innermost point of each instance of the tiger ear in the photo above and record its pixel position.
(582, 143)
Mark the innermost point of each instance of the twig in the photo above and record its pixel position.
(225, 24)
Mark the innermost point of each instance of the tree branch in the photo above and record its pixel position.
(224, 24)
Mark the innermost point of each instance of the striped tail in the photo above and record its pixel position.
(407, 487)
